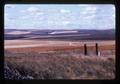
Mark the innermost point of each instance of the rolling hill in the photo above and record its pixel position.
(82, 34)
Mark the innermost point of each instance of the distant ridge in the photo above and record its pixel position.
(77, 34)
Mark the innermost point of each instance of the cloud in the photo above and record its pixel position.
(32, 13)
(39, 13)
(24, 17)
(90, 17)
(65, 22)
(86, 16)
(31, 16)
(113, 7)
(64, 11)
(22, 11)
(83, 5)
(113, 15)
(6, 14)
(9, 6)
(32, 9)
(6, 17)
(89, 10)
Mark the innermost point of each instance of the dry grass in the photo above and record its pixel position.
(60, 60)
(105, 50)
(57, 66)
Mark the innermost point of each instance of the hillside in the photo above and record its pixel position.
(58, 66)
(60, 34)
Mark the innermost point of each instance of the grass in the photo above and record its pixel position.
(61, 65)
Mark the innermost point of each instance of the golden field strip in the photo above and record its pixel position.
(49, 45)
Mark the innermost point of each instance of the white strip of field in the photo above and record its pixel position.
(18, 32)
(39, 45)
(62, 32)
(23, 46)
(57, 36)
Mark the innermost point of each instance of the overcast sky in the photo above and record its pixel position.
(59, 16)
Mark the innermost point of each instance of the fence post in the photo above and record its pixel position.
(96, 49)
(85, 49)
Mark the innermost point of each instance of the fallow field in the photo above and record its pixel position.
(49, 59)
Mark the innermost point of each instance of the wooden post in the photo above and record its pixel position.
(85, 49)
(96, 49)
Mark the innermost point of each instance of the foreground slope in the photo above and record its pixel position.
(59, 65)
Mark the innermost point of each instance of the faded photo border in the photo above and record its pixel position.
(117, 40)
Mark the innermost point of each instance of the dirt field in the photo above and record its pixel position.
(47, 45)
(55, 43)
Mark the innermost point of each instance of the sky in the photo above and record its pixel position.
(59, 16)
